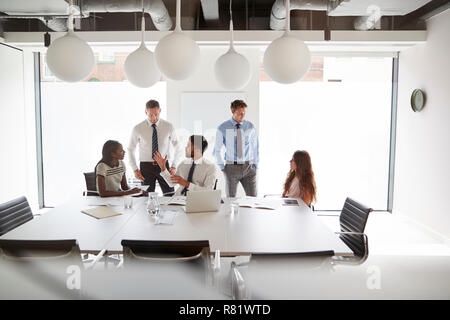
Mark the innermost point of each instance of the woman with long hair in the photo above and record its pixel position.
(300, 181)
(110, 172)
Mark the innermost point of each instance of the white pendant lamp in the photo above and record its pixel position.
(177, 55)
(140, 65)
(232, 69)
(70, 58)
(287, 59)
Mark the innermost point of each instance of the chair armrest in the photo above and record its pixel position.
(238, 287)
(96, 259)
(352, 260)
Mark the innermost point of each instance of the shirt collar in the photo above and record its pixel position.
(198, 161)
(150, 123)
(235, 122)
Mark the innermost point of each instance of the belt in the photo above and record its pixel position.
(150, 162)
(239, 162)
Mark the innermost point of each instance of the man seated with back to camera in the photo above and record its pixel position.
(193, 174)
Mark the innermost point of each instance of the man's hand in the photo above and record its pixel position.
(179, 180)
(138, 175)
(172, 170)
(160, 160)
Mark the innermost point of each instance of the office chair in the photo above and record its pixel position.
(91, 184)
(193, 255)
(274, 272)
(40, 268)
(13, 214)
(353, 221)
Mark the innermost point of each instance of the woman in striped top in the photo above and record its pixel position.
(110, 172)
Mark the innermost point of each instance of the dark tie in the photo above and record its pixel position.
(239, 141)
(189, 179)
(154, 141)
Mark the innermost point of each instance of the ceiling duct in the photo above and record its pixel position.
(278, 15)
(155, 8)
(55, 13)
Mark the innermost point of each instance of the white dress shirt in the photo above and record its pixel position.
(143, 133)
(203, 178)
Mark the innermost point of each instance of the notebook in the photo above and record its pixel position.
(250, 203)
(101, 212)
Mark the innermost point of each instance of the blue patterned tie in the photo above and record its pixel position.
(154, 141)
(189, 179)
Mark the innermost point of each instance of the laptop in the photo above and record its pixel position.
(203, 201)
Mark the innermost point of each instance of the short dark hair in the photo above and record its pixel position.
(196, 140)
(238, 104)
(151, 104)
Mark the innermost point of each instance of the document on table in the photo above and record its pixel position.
(257, 204)
(101, 212)
(174, 201)
(166, 217)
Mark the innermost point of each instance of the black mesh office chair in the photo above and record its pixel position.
(353, 221)
(40, 269)
(91, 184)
(13, 214)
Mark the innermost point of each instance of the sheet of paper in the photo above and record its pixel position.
(166, 217)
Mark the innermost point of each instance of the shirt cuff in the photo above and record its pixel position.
(166, 175)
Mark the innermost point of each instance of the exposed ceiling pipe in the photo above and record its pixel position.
(368, 22)
(278, 15)
(155, 8)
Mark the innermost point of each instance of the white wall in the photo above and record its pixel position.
(422, 168)
(204, 81)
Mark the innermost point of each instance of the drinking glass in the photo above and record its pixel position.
(128, 202)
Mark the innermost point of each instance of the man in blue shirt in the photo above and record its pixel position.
(240, 139)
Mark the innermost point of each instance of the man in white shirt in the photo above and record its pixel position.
(195, 173)
(153, 135)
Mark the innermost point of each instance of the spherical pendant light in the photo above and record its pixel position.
(140, 65)
(287, 59)
(232, 69)
(70, 58)
(177, 55)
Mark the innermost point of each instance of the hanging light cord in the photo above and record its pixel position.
(231, 27)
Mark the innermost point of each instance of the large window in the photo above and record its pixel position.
(77, 119)
(341, 116)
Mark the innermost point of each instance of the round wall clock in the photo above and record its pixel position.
(417, 100)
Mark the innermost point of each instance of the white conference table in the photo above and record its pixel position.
(284, 230)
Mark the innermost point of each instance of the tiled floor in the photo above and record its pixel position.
(390, 234)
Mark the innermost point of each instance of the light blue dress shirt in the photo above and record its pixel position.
(226, 136)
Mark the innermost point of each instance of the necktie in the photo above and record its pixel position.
(239, 141)
(154, 141)
(189, 179)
